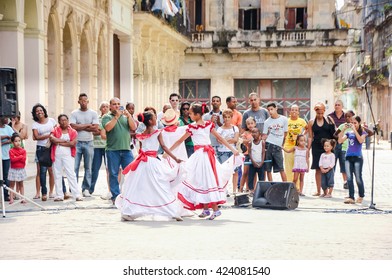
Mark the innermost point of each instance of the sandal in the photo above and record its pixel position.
(322, 195)
(316, 194)
(58, 199)
(37, 197)
(44, 198)
(204, 214)
(215, 214)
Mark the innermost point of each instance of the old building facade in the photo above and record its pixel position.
(283, 50)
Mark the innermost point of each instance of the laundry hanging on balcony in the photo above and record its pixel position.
(166, 6)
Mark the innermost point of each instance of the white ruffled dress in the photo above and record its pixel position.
(146, 190)
(203, 184)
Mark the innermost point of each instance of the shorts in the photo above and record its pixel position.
(275, 154)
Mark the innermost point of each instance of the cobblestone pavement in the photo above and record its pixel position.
(318, 229)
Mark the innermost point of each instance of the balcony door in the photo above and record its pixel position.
(196, 9)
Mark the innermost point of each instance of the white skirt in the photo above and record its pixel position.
(147, 191)
(200, 185)
(17, 174)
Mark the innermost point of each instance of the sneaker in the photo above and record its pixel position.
(204, 214)
(349, 201)
(86, 193)
(345, 186)
(359, 200)
(214, 215)
(106, 196)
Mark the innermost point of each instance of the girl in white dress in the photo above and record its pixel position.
(146, 190)
(301, 161)
(206, 178)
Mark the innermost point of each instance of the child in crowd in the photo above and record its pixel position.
(256, 150)
(231, 134)
(147, 190)
(17, 173)
(356, 135)
(301, 161)
(327, 163)
(247, 139)
(206, 178)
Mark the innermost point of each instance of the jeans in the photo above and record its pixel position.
(42, 172)
(115, 160)
(354, 166)
(99, 153)
(85, 149)
(252, 173)
(341, 156)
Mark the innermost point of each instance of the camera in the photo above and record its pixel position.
(121, 108)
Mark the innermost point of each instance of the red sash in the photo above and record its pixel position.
(211, 156)
(143, 156)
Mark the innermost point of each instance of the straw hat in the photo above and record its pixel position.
(169, 117)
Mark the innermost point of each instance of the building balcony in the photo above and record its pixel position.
(252, 41)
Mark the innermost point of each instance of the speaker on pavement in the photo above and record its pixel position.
(275, 195)
(8, 93)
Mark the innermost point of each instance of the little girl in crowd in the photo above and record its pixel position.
(231, 134)
(247, 139)
(17, 173)
(301, 161)
(206, 178)
(326, 163)
(257, 155)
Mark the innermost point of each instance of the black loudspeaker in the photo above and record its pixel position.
(8, 93)
(275, 195)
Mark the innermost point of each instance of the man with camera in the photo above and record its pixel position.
(118, 124)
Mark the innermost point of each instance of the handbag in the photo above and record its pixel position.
(44, 156)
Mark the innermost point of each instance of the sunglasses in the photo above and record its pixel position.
(185, 109)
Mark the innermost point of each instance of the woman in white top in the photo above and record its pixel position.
(42, 127)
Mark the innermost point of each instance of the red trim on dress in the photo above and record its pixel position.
(190, 206)
(170, 128)
(143, 136)
(197, 126)
(148, 206)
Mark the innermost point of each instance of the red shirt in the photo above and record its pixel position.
(18, 158)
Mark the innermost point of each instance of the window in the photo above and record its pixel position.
(196, 14)
(296, 18)
(195, 90)
(284, 92)
(249, 19)
(249, 14)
